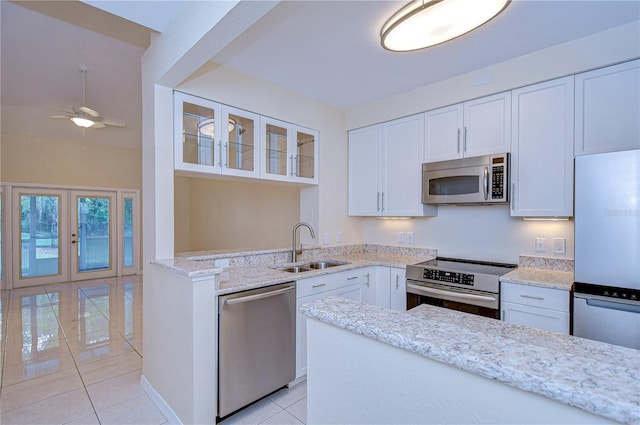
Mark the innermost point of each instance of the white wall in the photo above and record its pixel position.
(475, 232)
(489, 232)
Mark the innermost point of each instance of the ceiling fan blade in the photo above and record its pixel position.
(98, 125)
(112, 121)
(86, 110)
(60, 117)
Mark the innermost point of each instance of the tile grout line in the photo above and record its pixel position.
(84, 386)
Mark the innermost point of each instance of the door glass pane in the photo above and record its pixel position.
(94, 246)
(39, 232)
(276, 150)
(306, 150)
(198, 134)
(241, 143)
(128, 232)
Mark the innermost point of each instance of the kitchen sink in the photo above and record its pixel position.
(294, 269)
(325, 264)
(314, 265)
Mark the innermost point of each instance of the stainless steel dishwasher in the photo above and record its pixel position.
(256, 345)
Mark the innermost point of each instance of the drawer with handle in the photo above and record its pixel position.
(553, 299)
(319, 284)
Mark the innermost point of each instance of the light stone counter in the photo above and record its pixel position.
(256, 269)
(596, 377)
(236, 279)
(552, 279)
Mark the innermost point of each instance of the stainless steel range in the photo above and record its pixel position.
(465, 285)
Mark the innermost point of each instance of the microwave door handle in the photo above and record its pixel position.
(485, 183)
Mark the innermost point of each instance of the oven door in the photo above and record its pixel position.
(481, 303)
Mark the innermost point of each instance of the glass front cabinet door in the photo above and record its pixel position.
(289, 152)
(204, 145)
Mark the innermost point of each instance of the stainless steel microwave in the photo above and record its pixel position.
(476, 180)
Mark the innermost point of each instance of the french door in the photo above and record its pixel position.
(62, 235)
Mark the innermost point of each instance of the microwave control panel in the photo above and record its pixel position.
(497, 182)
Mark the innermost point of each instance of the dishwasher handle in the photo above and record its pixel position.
(611, 305)
(258, 296)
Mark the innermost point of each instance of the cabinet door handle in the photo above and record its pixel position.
(532, 297)
(220, 154)
(465, 138)
(318, 285)
(397, 281)
(367, 281)
(485, 183)
(226, 155)
(513, 196)
(382, 203)
(378, 203)
(291, 159)
(296, 164)
(352, 277)
(458, 140)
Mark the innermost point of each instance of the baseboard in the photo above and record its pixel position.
(157, 399)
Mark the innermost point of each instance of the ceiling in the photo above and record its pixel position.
(328, 50)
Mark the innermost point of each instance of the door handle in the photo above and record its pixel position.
(258, 296)
(485, 183)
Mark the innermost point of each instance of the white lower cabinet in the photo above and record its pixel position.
(389, 288)
(349, 284)
(542, 308)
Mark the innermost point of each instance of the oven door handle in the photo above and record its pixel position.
(430, 290)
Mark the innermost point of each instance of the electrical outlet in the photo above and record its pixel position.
(410, 237)
(401, 237)
(310, 215)
(325, 238)
(339, 237)
(540, 244)
(559, 245)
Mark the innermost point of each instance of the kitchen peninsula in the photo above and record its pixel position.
(433, 365)
(179, 371)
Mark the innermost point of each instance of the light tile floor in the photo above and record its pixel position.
(71, 353)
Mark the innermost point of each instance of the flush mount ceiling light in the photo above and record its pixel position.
(206, 127)
(425, 23)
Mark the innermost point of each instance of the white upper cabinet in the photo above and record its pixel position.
(212, 138)
(607, 109)
(289, 152)
(196, 125)
(365, 171)
(542, 150)
(385, 169)
(474, 128)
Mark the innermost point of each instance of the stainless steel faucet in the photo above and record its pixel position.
(294, 250)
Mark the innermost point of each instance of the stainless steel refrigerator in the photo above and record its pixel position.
(606, 302)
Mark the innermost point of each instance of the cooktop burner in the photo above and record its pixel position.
(468, 266)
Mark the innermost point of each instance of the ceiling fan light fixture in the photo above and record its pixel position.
(425, 23)
(82, 122)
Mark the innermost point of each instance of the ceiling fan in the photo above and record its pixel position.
(85, 117)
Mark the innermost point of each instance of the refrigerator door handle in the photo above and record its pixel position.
(613, 305)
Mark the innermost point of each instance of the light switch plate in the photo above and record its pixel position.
(401, 237)
(325, 238)
(410, 237)
(339, 237)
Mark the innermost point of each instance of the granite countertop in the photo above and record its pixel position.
(597, 377)
(236, 279)
(552, 279)
(256, 269)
